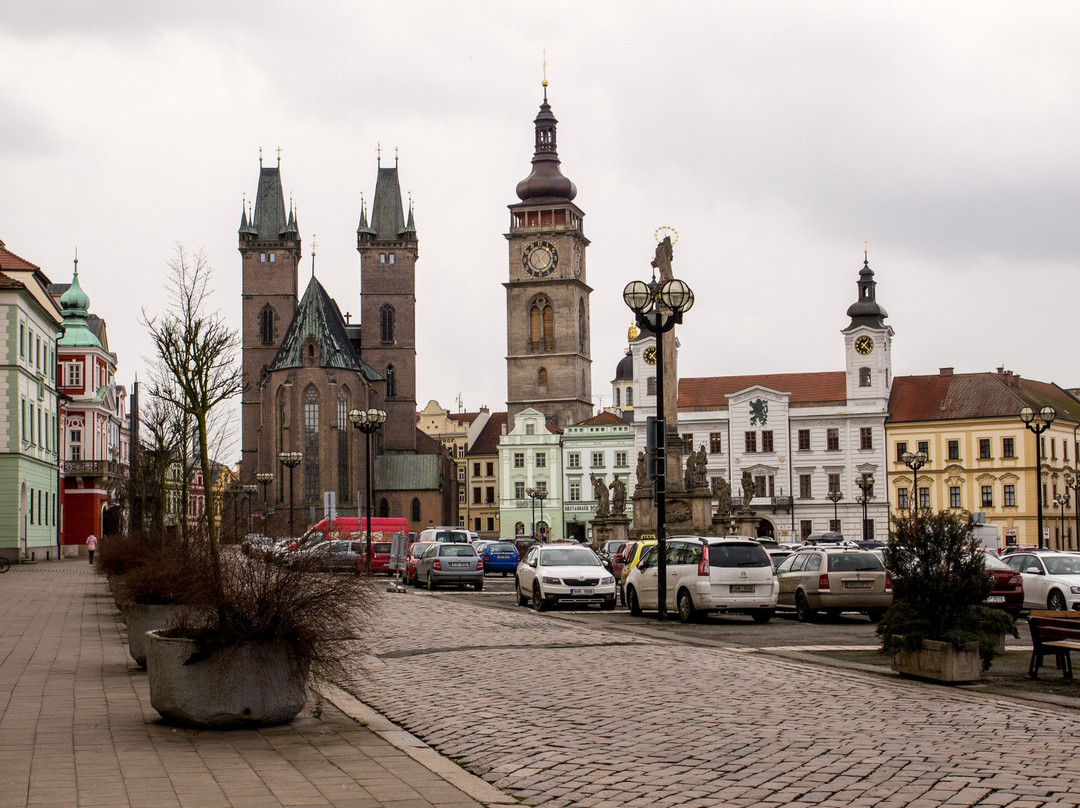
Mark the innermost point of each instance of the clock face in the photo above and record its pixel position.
(864, 345)
(649, 355)
(540, 258)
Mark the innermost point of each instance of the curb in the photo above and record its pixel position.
(469, 784)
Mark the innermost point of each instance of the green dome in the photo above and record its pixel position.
(75, 304)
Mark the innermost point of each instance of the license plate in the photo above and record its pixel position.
(459, 563)
(858, 584)
(996, 599)
(741, 588)
(588, 591)
(502, 555)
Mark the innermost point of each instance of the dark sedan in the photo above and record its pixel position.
(1008, 592)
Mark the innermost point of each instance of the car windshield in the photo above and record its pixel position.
(995, 563)
(1063, 566)
(382, 547)
(501, 547)
(417, 549)
(569, 557)
(854, 562)
(738, 555)
(457, 550)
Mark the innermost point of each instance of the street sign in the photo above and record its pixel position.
(269, 511)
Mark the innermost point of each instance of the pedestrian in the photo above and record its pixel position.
(91, 546)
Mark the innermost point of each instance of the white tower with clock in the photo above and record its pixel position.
(548, 364)
(868, 347)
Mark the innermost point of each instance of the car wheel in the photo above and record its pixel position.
(538, 599)
(1056, 602)
(631, 599)
(609, 604)
(480, 586)
(802, 608)
(685, 603)
(875, 615)
(764, 616)
(521, 599)
(430, 583)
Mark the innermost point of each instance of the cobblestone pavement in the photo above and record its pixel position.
(560, 714)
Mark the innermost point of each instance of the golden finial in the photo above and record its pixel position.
(544, 68)
(395, 156)
(76, 260)
(313, 255)
(378, 155)
(632, 333)
(260, 156)
(279, 156)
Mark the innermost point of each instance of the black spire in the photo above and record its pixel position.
(545, 182)
(866, 310)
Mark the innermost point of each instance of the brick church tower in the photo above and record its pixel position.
(388, 252)
(270, 250)
(548, 364)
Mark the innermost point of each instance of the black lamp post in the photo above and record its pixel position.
(834, 497)
(914, 461)
(235, 489)
(866, 485)
(658, 307)
(291, 460)
(1074, 483)
(1038, 423)
(1061, 500)
(367, 421)
(537, 493)
(264, 478)
(249, 489)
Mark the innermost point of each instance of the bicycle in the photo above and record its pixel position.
(5, 565)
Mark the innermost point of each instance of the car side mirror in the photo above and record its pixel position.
(1033, 571)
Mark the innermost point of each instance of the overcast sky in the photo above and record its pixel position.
(777, 138)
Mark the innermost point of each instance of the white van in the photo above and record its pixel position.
(442, 535)
(732, 574)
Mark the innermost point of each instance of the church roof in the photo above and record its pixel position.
(409, 472)
(954, 396)
(603, 419)
(318, 315)
(269, 221)
(866, 310)
(624, 371)
(806, 389)
(387, 219)
(546, 182)
(487, 442)
(9, 260)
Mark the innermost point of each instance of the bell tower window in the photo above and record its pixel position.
(391, 381)
(864, 377)
(266, 325)
(541, 325)
(386, 324)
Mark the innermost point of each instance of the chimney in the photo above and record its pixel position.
(945, 372)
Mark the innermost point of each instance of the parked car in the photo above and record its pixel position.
(777, 556)
(618, 560)
(706, 575)
(337, 554)
(1008, 591)
(609, 549)
(834, 579)
(416, 549)
(450, 563)
(633, 556)
(556, 574)
(523, 543)
(768, 543)
(499, 556)
(1051, 579)
(447, 534)
(380, 559)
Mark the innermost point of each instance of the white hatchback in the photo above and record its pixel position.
(554, 574)
(735, 575)
(1051, 580)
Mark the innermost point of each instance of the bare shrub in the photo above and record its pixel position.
(170, 574)
(117, 555)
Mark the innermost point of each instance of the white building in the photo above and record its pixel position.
(799, 435)
(602, 445)
(530, 477)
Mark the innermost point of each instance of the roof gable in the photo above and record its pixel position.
(804, 389)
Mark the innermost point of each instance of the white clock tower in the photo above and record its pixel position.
(868, 347)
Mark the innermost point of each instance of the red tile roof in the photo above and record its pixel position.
(806, 389)
(487, 442)
(463, 417)
(9, 260)
(603, 419)
(975, 395)
(10, 283)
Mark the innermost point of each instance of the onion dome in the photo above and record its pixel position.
(546, 182)
(624, 371)
(866, 310)
(75, 304)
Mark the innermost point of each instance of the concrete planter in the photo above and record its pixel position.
(249, 685)
(941, 662)
(144, 617)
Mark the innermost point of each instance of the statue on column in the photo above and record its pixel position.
(618, 497)
(662, 260)
(748, 489)
(642, 469)
(722, 491)
(600, 491)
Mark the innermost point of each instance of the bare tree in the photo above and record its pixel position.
(196, 369)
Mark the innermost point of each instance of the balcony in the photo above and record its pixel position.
(763, 502)
(93, 468)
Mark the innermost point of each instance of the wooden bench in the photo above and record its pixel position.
(1056, 633)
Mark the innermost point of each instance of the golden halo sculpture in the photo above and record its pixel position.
(663, 230)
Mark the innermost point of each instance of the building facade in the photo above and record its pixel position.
(602, 446)
(530, 477)
(484, 468)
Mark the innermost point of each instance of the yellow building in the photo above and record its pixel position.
(456, 432)
(980, 455)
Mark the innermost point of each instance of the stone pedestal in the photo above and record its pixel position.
(746, 522)
(688, 512)
(615, 528)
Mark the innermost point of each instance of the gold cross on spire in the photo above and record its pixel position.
(378, 155)
(260, 156)
(279, 156)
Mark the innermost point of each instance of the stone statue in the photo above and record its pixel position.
(642, 469)
(603, 509)
(722, 490)
(662, 260)
(748, 489)
(688, 475)
(701, 467)
(618, 497)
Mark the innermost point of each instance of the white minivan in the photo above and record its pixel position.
(440, 535)
(734, 575)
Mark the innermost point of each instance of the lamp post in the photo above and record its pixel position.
(834, 497)
(1074, 483)
(1061, 500)
(234, 489)
(914, 461)
(536, 493)
(249, 489)
(264, 478)
(866, 485)
(1038, 423)
(367, 421)
(291, 460)
(658, 307)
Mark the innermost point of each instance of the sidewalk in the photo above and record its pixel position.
(77, 728)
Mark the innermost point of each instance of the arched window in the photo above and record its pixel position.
(384, 508)
(386, 324)
(266, 325)
(541, 325)
(391, 381)
(415, 510)
(618, 402)
(581, 325)
(650, 386)
(864, 377)
(629, 396)
(343, 446)
(311, 445)
(541, 378)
